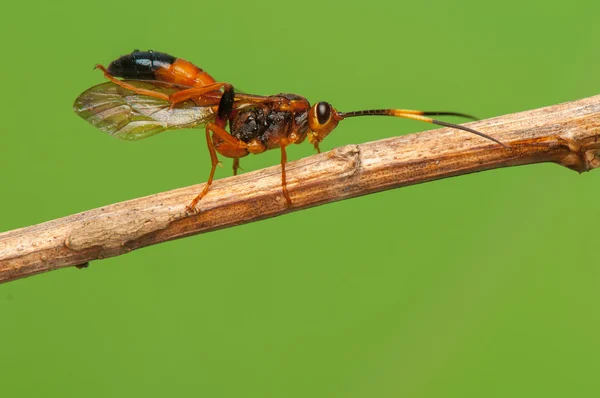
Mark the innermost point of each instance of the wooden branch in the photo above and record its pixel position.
(567, 134)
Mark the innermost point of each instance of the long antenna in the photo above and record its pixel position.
(421, 116)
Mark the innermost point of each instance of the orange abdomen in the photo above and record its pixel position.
(184, 73)
(154, 65)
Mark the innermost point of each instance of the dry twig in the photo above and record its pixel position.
(567, 134)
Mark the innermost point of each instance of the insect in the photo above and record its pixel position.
(160, 92)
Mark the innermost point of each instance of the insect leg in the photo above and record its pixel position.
(175, 98)
(195, 92)
(236, 166)
(283, 176)
(130, 87)
(217, 128)
(214, 162)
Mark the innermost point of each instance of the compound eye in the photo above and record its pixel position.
(323, 112)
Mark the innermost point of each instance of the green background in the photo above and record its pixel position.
(484, 285)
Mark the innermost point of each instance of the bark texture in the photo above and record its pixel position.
(567, 134)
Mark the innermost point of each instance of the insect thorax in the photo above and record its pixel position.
(266, 124)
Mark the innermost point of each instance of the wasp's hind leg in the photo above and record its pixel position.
(236, 166)
(131, 87)
(286, 194)
(217, 128)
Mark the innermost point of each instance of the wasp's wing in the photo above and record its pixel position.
(130, 116)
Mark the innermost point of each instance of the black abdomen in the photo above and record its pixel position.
(140, 64)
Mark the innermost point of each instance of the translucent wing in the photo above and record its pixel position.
(130, 116)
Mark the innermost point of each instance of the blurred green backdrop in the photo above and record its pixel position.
(481, 285)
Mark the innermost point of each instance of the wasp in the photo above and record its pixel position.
(158, 92)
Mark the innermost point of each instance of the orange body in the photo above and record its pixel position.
(184, 73)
